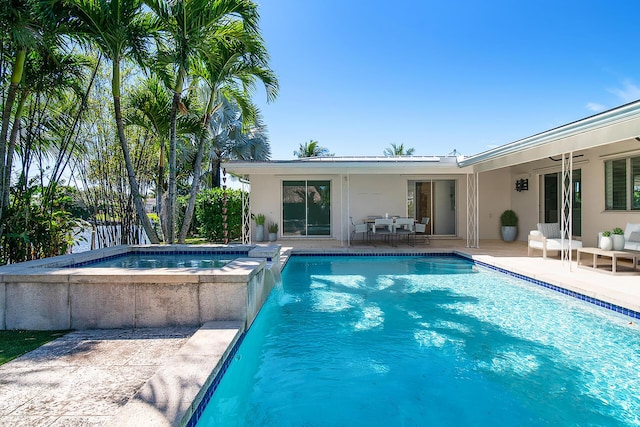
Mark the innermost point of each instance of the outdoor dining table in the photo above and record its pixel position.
(372, 220)
(393, 228)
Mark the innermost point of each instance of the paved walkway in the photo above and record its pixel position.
(151, 376)
(121, 377)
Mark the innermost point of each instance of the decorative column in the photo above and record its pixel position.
(225, 199)
(566, 226)
(472, 211)
(246, 211)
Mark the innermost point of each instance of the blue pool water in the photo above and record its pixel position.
(412, 341)
(163, 260)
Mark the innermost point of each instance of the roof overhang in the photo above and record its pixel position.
(615, 125)
(392, 165)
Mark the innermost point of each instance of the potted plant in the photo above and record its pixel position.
(273, 232)
(509, 222)
(618, 239)
(606, 243)
(259, 219)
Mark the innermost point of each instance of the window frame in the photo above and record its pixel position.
(630, 192)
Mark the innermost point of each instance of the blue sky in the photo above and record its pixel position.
(358, 75)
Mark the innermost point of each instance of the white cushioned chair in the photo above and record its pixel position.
(548, 238)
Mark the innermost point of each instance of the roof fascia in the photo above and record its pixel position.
(620, 123)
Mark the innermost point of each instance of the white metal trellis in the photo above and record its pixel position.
(567, 207)
(472, 210)
(246, 210)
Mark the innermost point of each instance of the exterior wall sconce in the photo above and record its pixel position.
(522, 185)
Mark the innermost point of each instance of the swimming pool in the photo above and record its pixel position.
(427, 341)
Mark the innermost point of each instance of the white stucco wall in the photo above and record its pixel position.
(497, 192)
(355, 196)
(494, 191)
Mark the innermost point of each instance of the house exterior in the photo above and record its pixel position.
(585, 175)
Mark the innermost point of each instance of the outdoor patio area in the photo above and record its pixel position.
(150, 377)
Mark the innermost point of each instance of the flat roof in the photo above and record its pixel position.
(349, 165)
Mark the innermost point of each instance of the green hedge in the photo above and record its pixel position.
(209, 204)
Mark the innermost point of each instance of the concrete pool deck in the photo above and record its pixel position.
(150, 377)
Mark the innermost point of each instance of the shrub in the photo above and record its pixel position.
(209, 212)
(273, 227)
(509, 218)
(258, 218)
(35, 228)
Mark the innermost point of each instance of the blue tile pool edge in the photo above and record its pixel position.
(156, 252)
(193, 421)
(206, 397)
(595, 301)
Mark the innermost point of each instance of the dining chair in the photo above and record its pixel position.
(421, 228)
(383, 227)
(360, 228)
(405, 227)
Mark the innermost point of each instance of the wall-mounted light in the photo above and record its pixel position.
(522, 185)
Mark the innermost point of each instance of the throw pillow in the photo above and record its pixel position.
(634, 236)
(630, 228)
(550, 230)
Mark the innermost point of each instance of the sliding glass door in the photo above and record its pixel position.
(306, 208)
(552, 203)
(436, 200)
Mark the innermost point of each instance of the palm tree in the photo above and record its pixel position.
(398, 150)
(151, 106)
(229, 138)
(190, 26)
(120, 29)
(311, 149)
(230, 73)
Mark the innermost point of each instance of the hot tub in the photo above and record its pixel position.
(74, 292)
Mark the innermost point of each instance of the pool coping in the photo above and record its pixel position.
(173, 395)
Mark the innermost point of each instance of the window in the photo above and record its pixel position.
(622, 184)
(306, 208)
(635, 183)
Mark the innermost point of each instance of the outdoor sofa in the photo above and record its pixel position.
(548, 238)
(631, 237)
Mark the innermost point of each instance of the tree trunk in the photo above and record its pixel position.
(215, 172)
(191, 205)
(160, 191)
(16, 77)
(173, 118)
(11, 147)
(133, 183)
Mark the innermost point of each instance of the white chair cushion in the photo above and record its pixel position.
(556, 244)
(632, 246)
